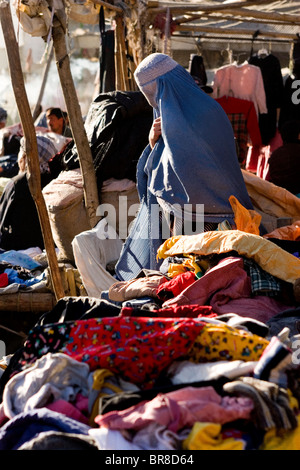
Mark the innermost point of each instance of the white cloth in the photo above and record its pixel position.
(112, 184)
(53, 375)
(181, 372)
(93, 249)
(107, 439)
(158, 437)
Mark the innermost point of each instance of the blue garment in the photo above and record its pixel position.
(13, 277)
(25, 426)
(17, 258)
(194, 162)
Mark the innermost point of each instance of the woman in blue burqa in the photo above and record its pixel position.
(186, 177)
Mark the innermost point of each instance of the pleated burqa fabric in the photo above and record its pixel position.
(192, 169)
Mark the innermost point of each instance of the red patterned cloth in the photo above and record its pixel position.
(137, 348)
(176, 311)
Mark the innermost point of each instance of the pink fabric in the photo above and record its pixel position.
(258, 157)
(227, 288)
(3, 417)
(261, 308)
(241, 81)
(66, 408)
(179, 409)
(82, 404)
(253, 155)
(228, 272)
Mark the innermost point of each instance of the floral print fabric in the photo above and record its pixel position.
(136, 348)
(224, 343)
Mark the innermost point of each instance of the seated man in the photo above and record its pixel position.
(3, 118)
(19, 222)
(57, 121)
(284, 163)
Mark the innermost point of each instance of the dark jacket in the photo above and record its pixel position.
(284, 167)
(117, 127)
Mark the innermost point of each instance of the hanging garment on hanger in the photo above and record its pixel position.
(197, 68)
(198, 72)
(243, 118)
(296, 49)
(273, 85)
(262, 53)
(106, 56)
(241, 81)
(290, 109)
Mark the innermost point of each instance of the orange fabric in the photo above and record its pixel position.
(245, 220)
(288, 232)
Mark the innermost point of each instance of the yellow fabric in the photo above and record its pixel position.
(99, 383)
(275, 440)
(206, 436)
(224, 343)
(170, 242)
(99, 377)
(266, 254)
(269, 198)
(175, 269)
(189, 263)
(245, 220)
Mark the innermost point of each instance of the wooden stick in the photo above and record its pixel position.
(35, 113)
(108, 5)
(34, 177)
(119, 84)
(212, 15)
(280, 17)
(122, 51)
(243, 32)
(76, 123)
(199, 7)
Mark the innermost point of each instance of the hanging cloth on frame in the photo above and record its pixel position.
(106, 57)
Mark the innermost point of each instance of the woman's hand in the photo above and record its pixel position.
(155, 132)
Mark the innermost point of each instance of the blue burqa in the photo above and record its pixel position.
(193, 165)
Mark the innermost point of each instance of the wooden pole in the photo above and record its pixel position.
(233, 31)
(243, 15)
(76, 123)
(34, 176)
(122, 51)
(109, 6)
(263, 15)
(35, 113)
(156, 7)
(119, 84)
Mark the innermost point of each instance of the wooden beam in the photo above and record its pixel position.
(199, 7)
(33, 172)
(283, 17)
(210, 16)
(236, 15)
(119, 83)
(121, 52)
(76, 123)
(233, 31)
(36, 110)
(27, 302)
(108, 6)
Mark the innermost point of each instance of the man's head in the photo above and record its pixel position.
(290, 132)
(56, 120)
(3, 118)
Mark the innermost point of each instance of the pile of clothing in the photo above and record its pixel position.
(200, 355)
